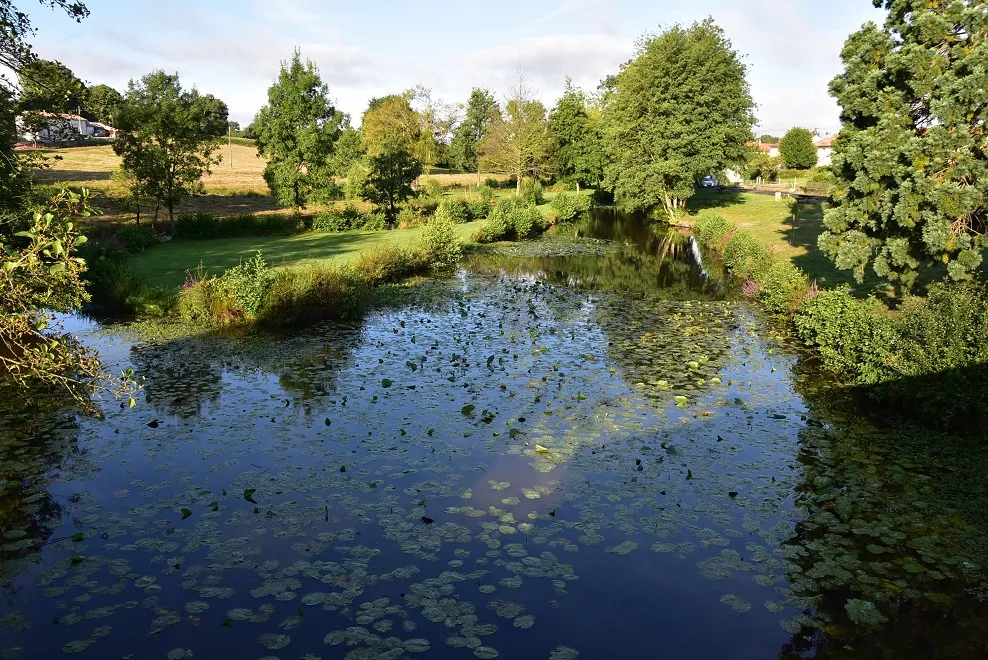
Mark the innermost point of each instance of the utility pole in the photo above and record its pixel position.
(229, 141)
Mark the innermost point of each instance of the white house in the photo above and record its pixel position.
(824, 148)
(50, 128)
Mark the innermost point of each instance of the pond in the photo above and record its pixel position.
(577, 447)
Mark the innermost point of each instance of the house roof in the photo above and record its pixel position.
(826, 142)
(764, 147)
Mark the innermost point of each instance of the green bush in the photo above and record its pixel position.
(114, 287)
(495, 227)
(197, 225)
(442, 245)
(854, 336)
(375, 221)
(203, 301)
(424, 206)
(387, 263)
(347, 219)
(433, 190)
(783, 287)
(477, 208)
(711, 230)
(743, 254)
(531, 192)
(526, 221)
(302, 295)
(247, 283)
(492, 183)
(136, 238)
(407, 217)
(453, 210)
(564, 206)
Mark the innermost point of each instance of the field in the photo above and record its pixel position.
(235, 185)
(166, 264)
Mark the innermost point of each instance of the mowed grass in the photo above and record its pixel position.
(771, 223)
(166, 264)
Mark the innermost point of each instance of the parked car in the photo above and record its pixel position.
(708, 182)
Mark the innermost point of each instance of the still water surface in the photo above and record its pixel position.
(575, 448)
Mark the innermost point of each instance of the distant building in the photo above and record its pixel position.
(770, 148)
(51, 128)
(824, 149)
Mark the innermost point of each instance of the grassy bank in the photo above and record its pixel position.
(166, 264)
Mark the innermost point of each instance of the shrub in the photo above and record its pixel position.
(743, 254)
(711, 230)
(854, 336)
(477, 208)
(495, 227)
(603, 197)
(375, 221)
(202, 301)
(298, 295)
(442, 245)
(136, 238)
(115, 287)
(783, 287)
(569, 206)
(407, 218)
(339, 220)
(491, 183)
(433, 189)
(247, 283)
(526, 220)
(531, 192)
(424, 206)
(389, 264)
(453, 210)
(197, 225)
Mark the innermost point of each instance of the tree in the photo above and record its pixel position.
(170, 137)
(102, 103)
(680, 110)
(297, 132)
(15, 27)
(234, 128)
(768, 139)
(577, 132)
(911, 160)
(797, 149)
(49, 86)
(390, 124)
(518, 142)
(349, 150)
(482, 110)
(389, 183)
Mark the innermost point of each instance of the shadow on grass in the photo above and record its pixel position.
(709, 198)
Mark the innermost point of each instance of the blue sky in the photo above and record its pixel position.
(232, 48)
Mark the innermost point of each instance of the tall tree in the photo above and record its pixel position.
(436, 121)
(577, 131)
(349, 150)
(297, 132)
(518, 142)
(170, 136)
(797, 149)
(911, 160)
(392, 172)
(390, 123)
(481, 111)
(681, 109)
(50, 86)
(102, 103)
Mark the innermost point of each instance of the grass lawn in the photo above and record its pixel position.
(166, 264)
(771, 223)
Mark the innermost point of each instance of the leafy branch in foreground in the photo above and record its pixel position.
(40, 276)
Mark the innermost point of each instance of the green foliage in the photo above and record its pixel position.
(577, 131)
(136, 238)
(103, 102)
(496, 226)
(440, 243)
(297, 132)
(197, 225)
(347, 219)
(454, 210)
(247, 284)
(681, 109)
(386, 264)
(170, 138)
(40, 274)
(433, 190)
(910, 161)
(349, 151)
(115, 287)
(207, 225)
(713, 230)
(783, 287)
(392, 172)
(743, 254)
(531, 192)
(355, 186)
(518, 141)
(569, 206)
(760, 164)
(478, 207)
(50, 86)
(512, 217)
(797, 149)
(481, 111)
(303, 295)
(852, 335)
(390, 125)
